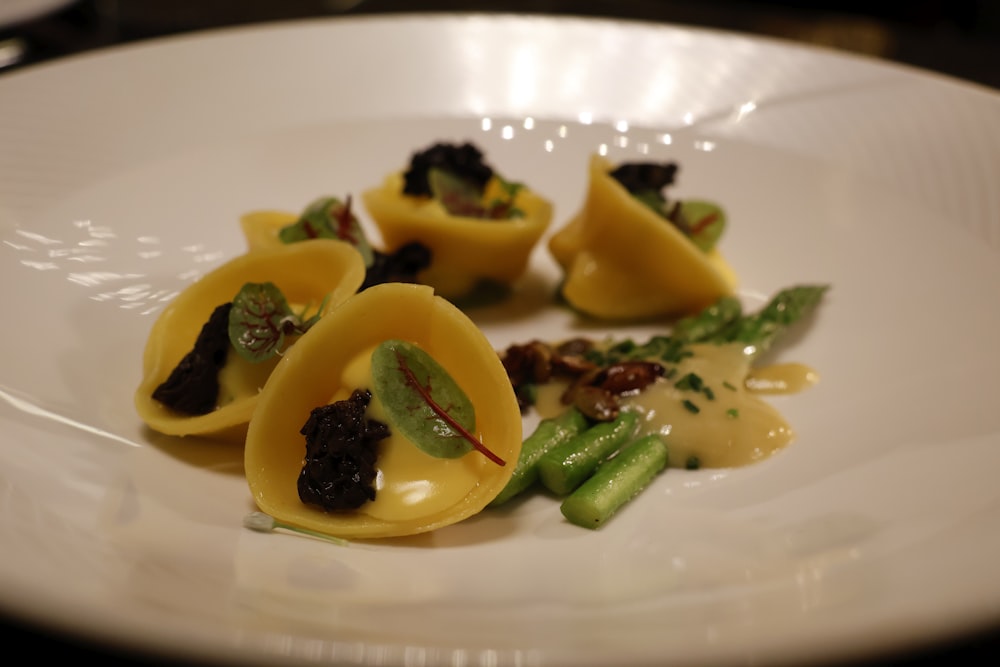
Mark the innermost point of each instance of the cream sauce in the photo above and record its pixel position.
(786, 378)
(728, 426)
(239, 378)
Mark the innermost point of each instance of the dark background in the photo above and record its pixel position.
(956, 37)
(959, 38)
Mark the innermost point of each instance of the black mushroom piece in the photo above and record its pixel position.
(339, 469)
(192, 388)
(401, 266)
(464, 161)
(591, 388)
(639, 177)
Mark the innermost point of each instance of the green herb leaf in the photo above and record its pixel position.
(423, 402)
(459, 196)
(703, 223)
(259, 321)
(462, 197)
(329, 218)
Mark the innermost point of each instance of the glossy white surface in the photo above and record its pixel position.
(122, 178)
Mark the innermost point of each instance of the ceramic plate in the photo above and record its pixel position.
(123, 175)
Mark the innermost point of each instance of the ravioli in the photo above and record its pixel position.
(306, 273)
(622, 261)
(261, 228)
(416, 492)
(465, 250)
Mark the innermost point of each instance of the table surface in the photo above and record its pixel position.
(959, 38)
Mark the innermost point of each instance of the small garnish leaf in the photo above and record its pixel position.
(463, 197)
(329, 218)
(423, 402)
(653, 200)
(704, 222)
(259, 321)
(458, 196)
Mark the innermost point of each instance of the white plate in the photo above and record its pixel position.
(122, 177)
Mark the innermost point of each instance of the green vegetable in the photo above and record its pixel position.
(260, 319)
(329, 218)
(709, 321)
(565, 467)
(549, 433)
(759, 330)
(616, 482)
(463, 197)
(423, 401)
(703, 222)
(658, 348)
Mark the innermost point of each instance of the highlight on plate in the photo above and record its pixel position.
(369, 403)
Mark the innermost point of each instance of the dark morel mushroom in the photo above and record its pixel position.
(401, 266)
(463, 161)
(339, 469)
(192, 387)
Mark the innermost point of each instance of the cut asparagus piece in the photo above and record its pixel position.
(616, 482)
(549, 433)
(565, 467)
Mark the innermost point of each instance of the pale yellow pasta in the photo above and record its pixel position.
(623, 261)
(464, 250)
(306, 273)
(416, 492)
(261, 228)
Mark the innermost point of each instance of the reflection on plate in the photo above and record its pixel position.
(873, 531)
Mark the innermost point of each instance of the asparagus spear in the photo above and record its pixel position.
(616, 482)
(759, 330)
(708, 322)
(549, 433)
(565, 467)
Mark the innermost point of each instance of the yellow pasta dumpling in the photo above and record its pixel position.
(623, 260)
(312, 277)
(476, 230)
(261, 228)
(412, 490)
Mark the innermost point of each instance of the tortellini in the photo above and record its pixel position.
(621, 260)
(261, 228)
(414, 491)
(309, 275)
(465, 250)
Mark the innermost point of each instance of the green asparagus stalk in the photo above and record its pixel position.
(565, 467)
(709, 322)
(549, 433)
(616, 482)
(759, 330)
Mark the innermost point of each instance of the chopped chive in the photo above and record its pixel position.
(692, 463)
(690, 381)
(265, 523)
(709, 394)
(691, 407)
(728, 386)
(732, 412)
